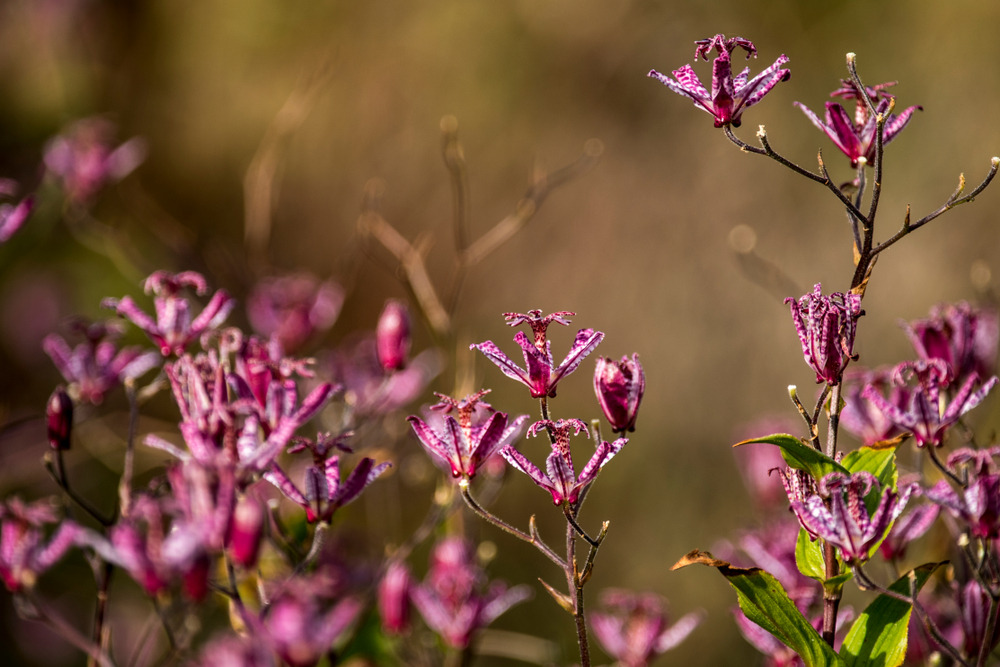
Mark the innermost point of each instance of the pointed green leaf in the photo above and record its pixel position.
(800, 455)
(809, 556)
(879, 462)
(878, 637)
(766, 603)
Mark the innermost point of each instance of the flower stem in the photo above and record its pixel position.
(533, 539)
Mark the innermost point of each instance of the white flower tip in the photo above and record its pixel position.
(761, 132)
(792, 390)
(850, 57)
(862, 160)
(995, 161)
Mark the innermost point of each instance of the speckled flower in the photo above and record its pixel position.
(461, 445)
(540, 375)
(634, 629)
(174, 329)
(561, 480)
(619, 387)
(826, 326)
(730, 95)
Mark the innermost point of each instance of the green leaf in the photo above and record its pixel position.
(766, 603)
(809, 558)
(800, 455)
(879, 462)
(878, 637)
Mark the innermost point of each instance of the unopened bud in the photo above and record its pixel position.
(392, 336)
(619, 387)
(394, 598)
(247, 529)
(59, 415)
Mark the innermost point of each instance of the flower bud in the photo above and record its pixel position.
(59, 415)
(392, 336)
(394, 599)
(619, 387)
(247, 529)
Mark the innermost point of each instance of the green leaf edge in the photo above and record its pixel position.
(799, 455)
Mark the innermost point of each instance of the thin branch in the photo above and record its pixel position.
(533, 538)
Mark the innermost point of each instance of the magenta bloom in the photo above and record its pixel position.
(462, 445)
(561, 480)
(24, 552)
(859, 415)
(392, 336)
(906, 529)
(301, 624)
(324, 492)
(84, 160)
(835, 511)
(394, 598)
(978, 503)
(633, 627)
(293, 308)
(455, 599)
(96, 366)
(962, 336)
(730, 94)
(13, 216)
(856, 138)
(173, 329)
(826, 326)
(619, 387)
(927, 416)
(542, 375)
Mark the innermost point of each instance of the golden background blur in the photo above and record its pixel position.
(639, 246)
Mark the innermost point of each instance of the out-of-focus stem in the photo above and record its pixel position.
(70, 634)
(99, 635)
(125, 483)
(831, 599)
(991, 628)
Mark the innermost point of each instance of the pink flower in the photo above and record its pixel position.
(84, 160)
(826, 326)
(174, 329)
(730, 95)
(464, 444)
(541, 375)
(619, 387)
(633, 627)
(24, 551)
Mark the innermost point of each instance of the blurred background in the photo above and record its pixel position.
(641, 246)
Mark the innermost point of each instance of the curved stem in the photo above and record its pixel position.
(533, 539)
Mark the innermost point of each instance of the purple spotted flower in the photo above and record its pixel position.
(730, 95)
(909, 527)
(634, 629)
(302, 623)
(927, 414)
(977, 504)
(561, 480)
(24, 551)
(455, 598)
(859, 415)
(856, 137)
(962, 336)
(96, 366)
(540, 375)
(174, 329)
(826, 326)
(462, 443)
(324, 492)
(834, 510)
(619, 387)
(292, 308)
(84, 159)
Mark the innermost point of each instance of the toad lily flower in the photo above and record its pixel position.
(462, 445)
(856, 139)
(835, 511)
(928, 415)
(730, 94)
(963, 336)
(542, 375)
(173, 329)
(826, 326)
(619, 387)
(633, 628)
(978, 503)
(561, 480)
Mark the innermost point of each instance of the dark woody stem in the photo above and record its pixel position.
(533, 538)
(932, 453)
(831, 598)
(100, 612)
(56, 468)
(822, 179)
(62, 628)
(125, 484)
(991, 628)
(867, 583)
